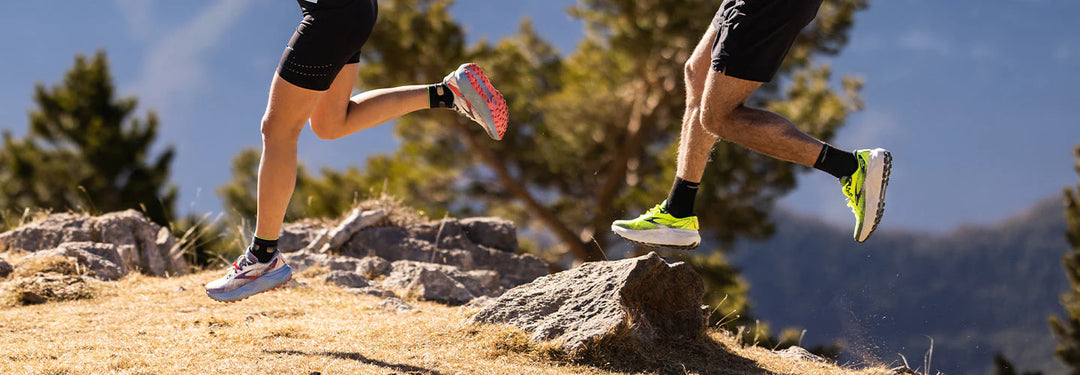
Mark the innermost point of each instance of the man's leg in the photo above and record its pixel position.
(695, 143)
(724, 114)
(674, 225)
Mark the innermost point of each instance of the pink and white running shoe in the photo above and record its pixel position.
(248, 277)
(477, 99)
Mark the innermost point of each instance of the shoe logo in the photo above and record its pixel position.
(653, 220)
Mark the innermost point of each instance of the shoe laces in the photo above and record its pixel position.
(658, 209)
(241, 262)
(849, 192)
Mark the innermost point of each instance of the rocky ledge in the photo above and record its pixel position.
(451, 261)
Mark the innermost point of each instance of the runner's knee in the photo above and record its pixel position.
(719, 122)
(276, 129)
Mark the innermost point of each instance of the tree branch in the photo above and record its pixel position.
(518, 190)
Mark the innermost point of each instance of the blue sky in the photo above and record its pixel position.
(975, 98)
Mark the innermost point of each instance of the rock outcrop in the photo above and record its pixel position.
(450, 261)
(102, 259)
(643, 299)
(139, 244)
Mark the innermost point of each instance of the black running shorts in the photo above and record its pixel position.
(329, 36)
(754, 36)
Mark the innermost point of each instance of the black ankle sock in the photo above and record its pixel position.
(263, 249)
(836, 162)
(680, 202)
(440, 96)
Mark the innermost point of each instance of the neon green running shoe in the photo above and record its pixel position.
(657, 228)
(866, 189)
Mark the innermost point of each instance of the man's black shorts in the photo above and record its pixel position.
(754, 36)
(329, 36)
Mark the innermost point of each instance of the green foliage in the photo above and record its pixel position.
(86, 151)
(1068, 329)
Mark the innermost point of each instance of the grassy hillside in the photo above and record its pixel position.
(144, 325)
(976, 291)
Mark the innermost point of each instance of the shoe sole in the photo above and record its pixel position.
(263, 284)
(876, 172)
(666, 238)
(494, 114)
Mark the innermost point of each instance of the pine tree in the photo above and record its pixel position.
(85, 150)
(1068, 329)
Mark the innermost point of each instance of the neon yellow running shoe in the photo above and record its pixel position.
(657, 228)
(866, 189)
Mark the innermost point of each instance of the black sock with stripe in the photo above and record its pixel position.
(440, 96)
(836, 162)
(263, 249)
(680, 201)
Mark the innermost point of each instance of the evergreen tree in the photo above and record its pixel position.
(1068, 329)
(85, 150)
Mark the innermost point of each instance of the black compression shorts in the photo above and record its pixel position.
(329, 36)
(754, 36)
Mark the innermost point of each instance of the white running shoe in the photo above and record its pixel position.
(476, 98)
(248, 277)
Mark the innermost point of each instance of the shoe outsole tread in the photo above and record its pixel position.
(495, 101)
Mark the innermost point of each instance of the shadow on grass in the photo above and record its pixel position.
(704, 356)
(408, 369)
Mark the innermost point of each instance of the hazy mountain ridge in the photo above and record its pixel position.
(977, 290)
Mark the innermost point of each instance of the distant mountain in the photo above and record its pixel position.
(976, 291)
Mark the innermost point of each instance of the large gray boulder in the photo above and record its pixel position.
(643, 300)
(101, 258)
(141, 244)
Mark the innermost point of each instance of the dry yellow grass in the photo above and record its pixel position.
(143, 325)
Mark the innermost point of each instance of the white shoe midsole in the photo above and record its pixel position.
(873, 188)
(661, 236)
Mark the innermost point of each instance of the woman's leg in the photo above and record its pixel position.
(337, 115)
(287, 110)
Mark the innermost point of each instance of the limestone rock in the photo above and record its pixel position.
(141, 243)
(451, 243)
(493, 232)
(101, 258)
(434, 282)
(642, 299)
(48, 233)
(332, 239)
(397, 305)
(373, 267)
(347, 279)
(296, 236)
